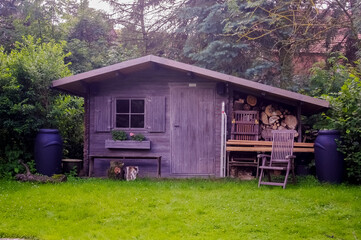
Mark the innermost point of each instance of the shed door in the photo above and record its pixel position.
(192, 130)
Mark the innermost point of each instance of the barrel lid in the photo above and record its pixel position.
(46, 130)
(329, 132)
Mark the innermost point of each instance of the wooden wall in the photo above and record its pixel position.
(146, 84)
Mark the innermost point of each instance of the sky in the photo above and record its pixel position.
(98, 4)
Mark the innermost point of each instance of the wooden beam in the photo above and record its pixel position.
(265, 149)
(299, 130)
(263, 143)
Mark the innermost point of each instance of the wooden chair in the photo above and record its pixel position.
(245, 126)
(281, 158)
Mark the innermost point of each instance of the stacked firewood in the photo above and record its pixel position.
(274, 117)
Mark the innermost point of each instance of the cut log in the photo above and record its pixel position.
(273, 119)
(269, 109)
(278, 113)
(264, 118)
(251, 100)
(267, 134)
(246, 107)
(283, 124)
(291, 121)
(237, 105)
(115, 170)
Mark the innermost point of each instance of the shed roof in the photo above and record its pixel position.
(77, 84)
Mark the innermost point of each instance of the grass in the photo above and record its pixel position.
(179, 209)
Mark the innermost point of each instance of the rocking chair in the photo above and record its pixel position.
(281, 158)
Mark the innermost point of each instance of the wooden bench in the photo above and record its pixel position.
(92, 157)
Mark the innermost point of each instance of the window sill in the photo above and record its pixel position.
(127, 144)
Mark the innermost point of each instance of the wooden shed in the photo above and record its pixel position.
(177, 107)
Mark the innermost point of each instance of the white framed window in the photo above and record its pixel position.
(130, 113)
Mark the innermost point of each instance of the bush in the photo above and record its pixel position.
(345, 115)
(67, 113)
(25, 98)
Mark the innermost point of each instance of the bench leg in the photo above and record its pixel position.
(159, 167)
(91, 166)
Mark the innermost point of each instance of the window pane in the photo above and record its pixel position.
(122, 106)
(122, 121)
(137, 106)
(137, 121)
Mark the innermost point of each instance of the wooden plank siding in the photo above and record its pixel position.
(150, 78)
(149, 84)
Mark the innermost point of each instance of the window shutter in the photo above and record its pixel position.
(102, 116)
(155, 114)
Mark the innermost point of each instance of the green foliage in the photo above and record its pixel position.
(25, 98)
(202, 23)
(118, 135)
(72, 174)
(328, 79)
(67, 113)
(345, 115)
(93, 41)
(137, 137)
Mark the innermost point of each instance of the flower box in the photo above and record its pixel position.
(127, 144)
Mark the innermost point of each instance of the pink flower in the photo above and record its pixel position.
(131, 134)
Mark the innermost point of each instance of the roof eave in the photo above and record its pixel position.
(72, 82)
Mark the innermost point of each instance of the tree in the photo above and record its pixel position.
(93, 41)
(45, 19)
(289, 27)
(201, 24)
(143, 21)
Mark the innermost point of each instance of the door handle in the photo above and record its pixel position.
(176, 125)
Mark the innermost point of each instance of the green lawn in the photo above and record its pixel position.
(179, 209)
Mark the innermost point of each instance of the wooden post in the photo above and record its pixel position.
(299, 129)
(86, 128)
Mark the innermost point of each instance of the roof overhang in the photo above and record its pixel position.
(78, 84)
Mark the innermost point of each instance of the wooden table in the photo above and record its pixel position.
(264, 146)
(92, 157)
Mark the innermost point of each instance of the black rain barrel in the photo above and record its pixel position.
(48, 152)
(329, 161)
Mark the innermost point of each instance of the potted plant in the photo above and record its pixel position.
(120, 141)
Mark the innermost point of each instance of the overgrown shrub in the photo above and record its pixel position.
(345, 115)
(67, 113)
(25, 97)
